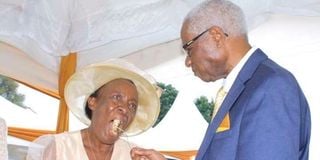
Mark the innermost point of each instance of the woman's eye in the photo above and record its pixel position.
(133, 106)
(116, 97)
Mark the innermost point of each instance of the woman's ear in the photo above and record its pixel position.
(92, 103)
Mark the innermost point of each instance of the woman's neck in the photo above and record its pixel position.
(96, 149)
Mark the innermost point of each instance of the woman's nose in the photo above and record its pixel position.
(122, 108)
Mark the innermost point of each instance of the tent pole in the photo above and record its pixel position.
(67, 68)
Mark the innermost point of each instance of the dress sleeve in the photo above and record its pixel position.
(43, 148)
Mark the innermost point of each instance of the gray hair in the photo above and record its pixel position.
(222, 13)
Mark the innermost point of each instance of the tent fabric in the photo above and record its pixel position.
(98, 29)
(18, 65)
(57, 27)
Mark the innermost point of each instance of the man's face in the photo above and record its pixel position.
(205, 55)
(117, 100)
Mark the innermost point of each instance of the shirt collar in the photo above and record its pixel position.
(228, 81)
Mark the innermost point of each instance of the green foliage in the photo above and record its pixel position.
(205, 107)
(167, 98)
(8, 90)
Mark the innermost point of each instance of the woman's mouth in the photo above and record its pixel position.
(116, 127)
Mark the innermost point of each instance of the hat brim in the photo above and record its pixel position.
(83, 83)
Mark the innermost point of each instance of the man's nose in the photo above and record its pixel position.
(187, 61)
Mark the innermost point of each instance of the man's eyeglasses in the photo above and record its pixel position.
(186, 45)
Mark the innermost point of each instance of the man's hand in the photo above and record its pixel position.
(145, 154)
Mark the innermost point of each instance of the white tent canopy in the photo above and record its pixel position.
(34, 34)
(43, 31)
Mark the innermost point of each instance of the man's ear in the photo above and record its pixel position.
(92, 101)
(217, 35)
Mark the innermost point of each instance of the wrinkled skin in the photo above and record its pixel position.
(208, 56)
(117, 99)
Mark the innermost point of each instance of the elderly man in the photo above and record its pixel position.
(262, 113)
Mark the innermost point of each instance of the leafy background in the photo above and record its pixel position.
(169, 94)
(205, 107)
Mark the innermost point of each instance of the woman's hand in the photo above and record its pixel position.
(145, 154)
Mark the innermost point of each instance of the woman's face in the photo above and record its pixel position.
(116, 100)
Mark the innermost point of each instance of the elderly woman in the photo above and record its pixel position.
(114, 99)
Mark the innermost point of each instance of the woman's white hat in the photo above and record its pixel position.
(85, 81)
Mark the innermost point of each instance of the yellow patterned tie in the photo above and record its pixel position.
(225, 124)
(218, 101)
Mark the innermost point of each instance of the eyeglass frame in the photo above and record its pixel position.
(189, 43)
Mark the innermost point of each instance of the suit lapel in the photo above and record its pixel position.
(213, 126)
(238, 86)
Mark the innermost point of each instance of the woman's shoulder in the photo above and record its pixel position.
(68, 134)
(58, 139)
